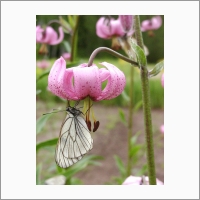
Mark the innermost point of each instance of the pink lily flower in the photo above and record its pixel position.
(43, 64)
(66, 56)
(126, 22)
(77, 83)
(152, 24)
(49, 35)
(136, 180)
(108, 28)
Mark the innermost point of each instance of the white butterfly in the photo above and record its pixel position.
(74, 140)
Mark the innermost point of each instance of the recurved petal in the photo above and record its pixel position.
(116, 82)
(103, 28)
(87, 81)
(58, 80)
(55, 39)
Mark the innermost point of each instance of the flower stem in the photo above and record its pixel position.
(146, 108)
(130, 123)
(112, 52)
(74, 40)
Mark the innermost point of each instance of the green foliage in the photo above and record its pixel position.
(136, 152)
(157, 69)
(46, 143)
(41, 122)
(141, 58)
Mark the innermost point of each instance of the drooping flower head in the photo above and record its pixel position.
(83, 82)
(79, 82)
(107, 28)
(126, 22)
(49, 35)
(151, 24)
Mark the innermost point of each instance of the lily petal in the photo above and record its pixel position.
(59, 80)
(87, 81)
(116, 82)
(57, 40)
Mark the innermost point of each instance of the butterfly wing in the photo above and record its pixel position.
(74, 141)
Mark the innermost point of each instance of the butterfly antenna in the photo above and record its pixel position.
(54, 112)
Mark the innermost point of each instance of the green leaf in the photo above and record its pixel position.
(41, 122)
(134, 138)
(120, 165)
(125, 96)
(67, 46)
(134, 150)
(46, 143)
(38, 174)
(157, 69)
(139, 53)
(65, 25)
(138, 105)
(79, 166)
(38, 92)
(122, 116)
(42, 75)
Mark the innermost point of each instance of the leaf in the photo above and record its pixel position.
(122, 116)
(38, 174)
(41, 122)
(120, 165)
(125, 96)
(134, 138)
(134, 150)
(138, 105)
(80, 165)
(46, 143)
(38, 92)
(67, 46)
(65, 25)
(157, 69)
(42, 75)
(139, 53)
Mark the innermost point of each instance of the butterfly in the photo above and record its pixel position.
(74, 139)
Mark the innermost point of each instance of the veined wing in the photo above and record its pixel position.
(74, 141)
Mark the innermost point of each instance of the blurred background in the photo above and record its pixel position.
(106, 163)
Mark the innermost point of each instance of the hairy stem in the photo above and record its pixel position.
(74, 40)
(146, 108)
(130, 122)
(112, 52)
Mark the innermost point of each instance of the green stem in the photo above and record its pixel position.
(146, 108)
(74, 41)
(130, 123)
(110, 51)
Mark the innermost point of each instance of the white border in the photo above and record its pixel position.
(181, 99)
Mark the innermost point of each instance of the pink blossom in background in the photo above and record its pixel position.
(126, 22)
(162, 80)
(43, 64)
(151, 24)
(108, 28)
(76, 83)
(49, 35)
(66, 56)
(136, 180)
(162, 128)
